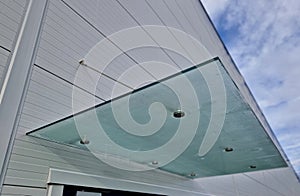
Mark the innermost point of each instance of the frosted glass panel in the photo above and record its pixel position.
(194, 123)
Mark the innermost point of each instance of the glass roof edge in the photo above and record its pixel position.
(216, 58)
(269, 133)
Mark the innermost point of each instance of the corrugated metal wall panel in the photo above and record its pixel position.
(55, 54)
(18, 191)
(65, 40)
(183, 19)
(268, 182)
(24, 182)
(107, 16)
(49, 99)
(143, 14)
(172, 19)
(11, 15)
(71, 29)
(4, 54)
(165, 16)
(32, 158)
(34, 166)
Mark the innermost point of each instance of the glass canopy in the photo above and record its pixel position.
(194, 123)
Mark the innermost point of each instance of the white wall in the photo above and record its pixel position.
(70, 30)
(11, 16)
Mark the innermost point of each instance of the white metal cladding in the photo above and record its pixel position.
(4, 54)
(71, 29)
(12, 92)
(11, 17)
(11, 14)
(222, 185)
(31, 160)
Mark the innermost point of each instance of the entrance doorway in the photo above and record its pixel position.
(86, 191)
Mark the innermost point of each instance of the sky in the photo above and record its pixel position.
(263, 38)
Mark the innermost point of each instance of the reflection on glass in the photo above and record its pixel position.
(194, 123)
(81, 193)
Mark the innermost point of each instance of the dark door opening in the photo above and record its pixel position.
(87, 191)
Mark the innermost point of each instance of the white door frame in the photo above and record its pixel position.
(58, 178)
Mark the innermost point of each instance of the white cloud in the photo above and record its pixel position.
(266, 46)
(215, 8)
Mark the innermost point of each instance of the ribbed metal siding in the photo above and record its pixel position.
(71, 28)
(11, 17)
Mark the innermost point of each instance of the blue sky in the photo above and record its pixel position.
(263, 38)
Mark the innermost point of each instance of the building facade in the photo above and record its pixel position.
(43, 44)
